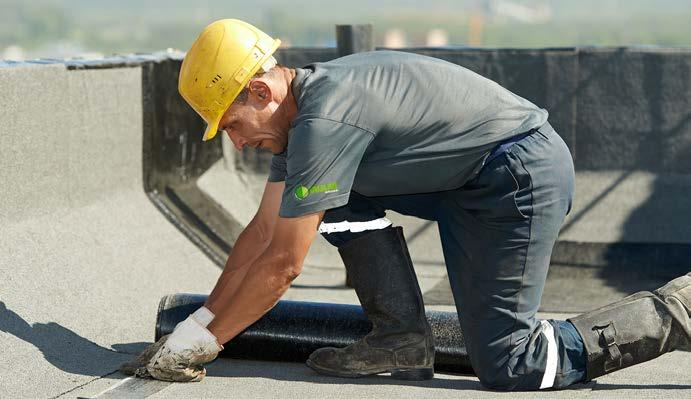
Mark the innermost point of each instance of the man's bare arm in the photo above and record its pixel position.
(250, 244)
(270, 276)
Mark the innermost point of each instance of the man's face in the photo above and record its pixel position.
(253, 123)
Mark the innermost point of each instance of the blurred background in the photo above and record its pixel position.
(87, 28)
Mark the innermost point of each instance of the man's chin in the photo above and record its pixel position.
(274, 148)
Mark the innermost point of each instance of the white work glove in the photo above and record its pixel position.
(180, 355)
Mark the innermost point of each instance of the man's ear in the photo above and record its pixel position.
(261, 91)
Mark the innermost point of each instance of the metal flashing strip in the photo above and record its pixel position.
(132, 388)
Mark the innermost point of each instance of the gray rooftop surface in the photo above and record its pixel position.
(84, 264)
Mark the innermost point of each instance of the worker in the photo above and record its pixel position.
(370, 132)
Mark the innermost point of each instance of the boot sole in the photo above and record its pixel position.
(411, 374)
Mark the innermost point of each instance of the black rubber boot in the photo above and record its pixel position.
(401, 340)
(637, 328)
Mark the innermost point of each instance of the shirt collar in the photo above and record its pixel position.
(298, 82)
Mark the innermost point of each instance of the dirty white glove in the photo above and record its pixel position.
(188, 347)
(139, 366)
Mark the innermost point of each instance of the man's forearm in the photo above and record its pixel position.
(260, 290)
(249, 245)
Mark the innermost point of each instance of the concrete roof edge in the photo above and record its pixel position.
(112, 61)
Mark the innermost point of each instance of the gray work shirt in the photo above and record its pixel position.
(388, 123)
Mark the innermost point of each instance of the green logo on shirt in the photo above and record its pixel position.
(302, 192)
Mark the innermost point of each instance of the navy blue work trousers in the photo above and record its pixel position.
(497, 234)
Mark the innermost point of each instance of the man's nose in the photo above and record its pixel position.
(238, 141)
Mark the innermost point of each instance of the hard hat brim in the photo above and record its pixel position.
(211, 130)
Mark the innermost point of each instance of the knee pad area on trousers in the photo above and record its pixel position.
(501, 378)
(551, 356)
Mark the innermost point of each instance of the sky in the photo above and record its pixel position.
(52, 28)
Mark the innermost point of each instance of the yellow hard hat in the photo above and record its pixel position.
(219, 64)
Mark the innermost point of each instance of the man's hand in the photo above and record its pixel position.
(137, 367)
(181, 355)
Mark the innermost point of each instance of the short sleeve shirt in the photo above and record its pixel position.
(389, 123)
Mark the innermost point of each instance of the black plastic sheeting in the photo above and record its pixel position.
(292, 330)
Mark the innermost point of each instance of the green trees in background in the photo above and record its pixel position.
(144, 26)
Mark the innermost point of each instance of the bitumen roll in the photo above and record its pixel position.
(292, 330)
